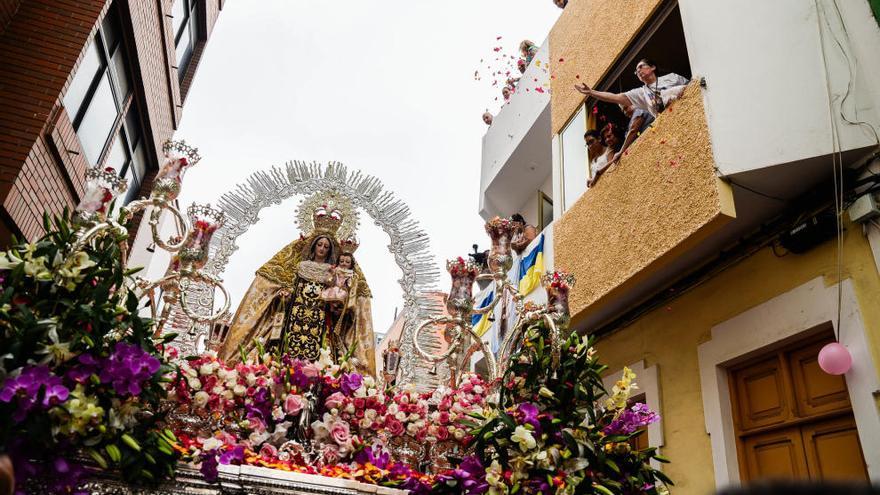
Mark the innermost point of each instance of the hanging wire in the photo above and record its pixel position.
(836, 164)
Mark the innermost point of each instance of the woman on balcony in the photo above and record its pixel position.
(610, 140)
(528, 50)
(656, 94)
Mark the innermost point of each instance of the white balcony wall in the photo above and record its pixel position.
(516, 148)
(538, 295)
(767, 101)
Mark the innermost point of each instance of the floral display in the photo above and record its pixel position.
(80, 373)
(86, 387)
(552, 432)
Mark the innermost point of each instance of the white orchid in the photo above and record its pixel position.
(523, 437)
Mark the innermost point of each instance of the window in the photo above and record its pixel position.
(183, 17)
(99, 89)
(661, 40)
(545, 210)
(574, 159)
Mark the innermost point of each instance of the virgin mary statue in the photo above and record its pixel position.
(283, 310)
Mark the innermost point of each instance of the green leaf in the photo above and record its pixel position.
(601, 489)
(662, 477)
(660, 458)
(97, 458)
(613, 465)
(131, 442)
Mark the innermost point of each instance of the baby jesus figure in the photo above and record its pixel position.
(340, 281)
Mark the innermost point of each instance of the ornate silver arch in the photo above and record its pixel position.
(409, 244)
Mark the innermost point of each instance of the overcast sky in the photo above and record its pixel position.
(384, 86)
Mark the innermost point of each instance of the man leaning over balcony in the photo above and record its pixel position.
(656, 94)
(639, 121)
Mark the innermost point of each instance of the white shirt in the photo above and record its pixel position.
(597, 164)
(668, 86)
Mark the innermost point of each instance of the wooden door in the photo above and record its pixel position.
(794, 421)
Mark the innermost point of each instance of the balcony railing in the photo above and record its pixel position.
(516, 148)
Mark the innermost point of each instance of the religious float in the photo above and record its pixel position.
(110, 383)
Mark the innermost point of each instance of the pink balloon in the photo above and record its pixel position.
(835, 359)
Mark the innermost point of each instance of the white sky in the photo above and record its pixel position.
(386, 87)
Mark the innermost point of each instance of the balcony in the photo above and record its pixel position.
(644, 223)
(517, 149)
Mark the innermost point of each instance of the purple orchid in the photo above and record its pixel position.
(528, 413)
(470, 475)
(350, 382)
(26, 387)
(377, 457)
(209, 466)
(539, 485)
(235, 455)
(630, 420)
(128, 367)
(81, 373)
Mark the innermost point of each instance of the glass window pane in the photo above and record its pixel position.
(574, 158)
(118, 153)
(133, 125)
(184, 48)
(97, 121)
(82, 81)
(139, 162)
(547, 212)
(110, 29)
(178, 16)
(121, 73)
(133, 186)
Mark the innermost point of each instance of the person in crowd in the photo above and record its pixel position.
(639, 121)
(596, 152)
(653, 97)
(512, 82)
(506, 92)
(487, 118)
(521, 65)
(524, 233)
(560, 3)
(528, 50)
(611, 140)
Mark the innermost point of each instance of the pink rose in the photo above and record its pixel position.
(268, 451)
(310, 370)
(442, 433)
(293, 404)
(359, 403)
(394, 426)
(329, 454)
(444, 418)
(334, 400)
(340, 433)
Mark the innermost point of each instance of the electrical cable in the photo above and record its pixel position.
(836, 163)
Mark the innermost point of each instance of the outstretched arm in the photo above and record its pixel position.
(618, 98)
(631, 134)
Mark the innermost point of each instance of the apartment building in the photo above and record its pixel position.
(709, 258)
(90, 83)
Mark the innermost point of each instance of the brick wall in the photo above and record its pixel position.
(41, 161)
(7, 10)
(154, 57)
(41, 47)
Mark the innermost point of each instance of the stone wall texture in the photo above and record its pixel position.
(662, 195)
(585, 42)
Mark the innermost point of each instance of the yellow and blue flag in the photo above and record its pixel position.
(531, 268)
(482, 323)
